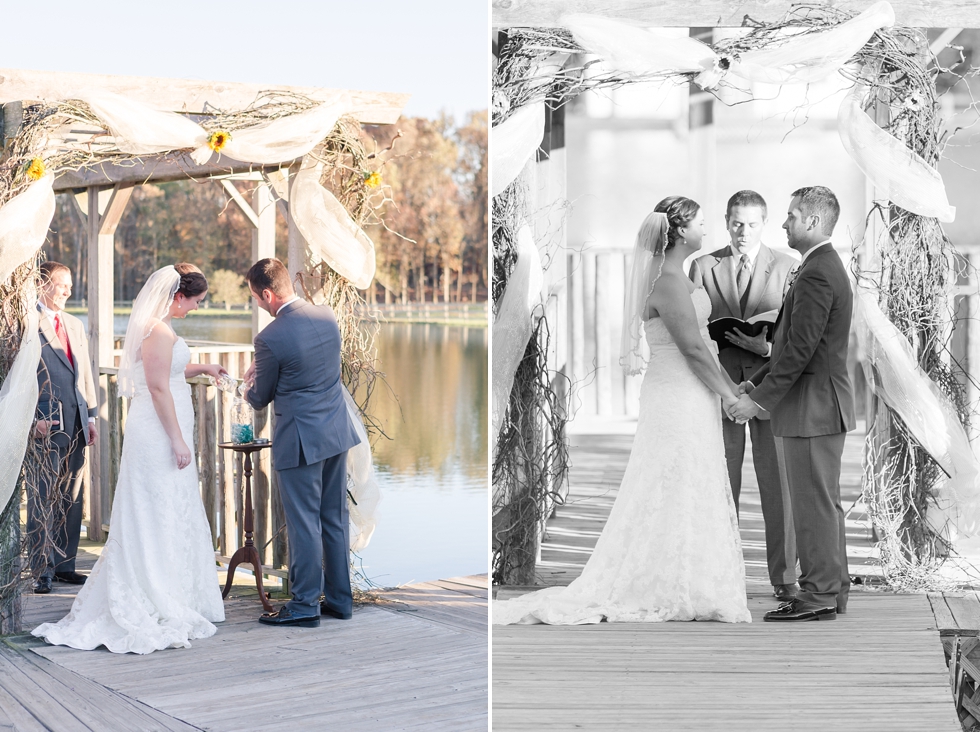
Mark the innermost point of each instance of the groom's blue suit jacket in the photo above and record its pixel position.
(297, 365)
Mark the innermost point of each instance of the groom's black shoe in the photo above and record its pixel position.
(284, 617)
(324, 610)
(42, 586)
(797, 611)
(784, 592)
(72, 578)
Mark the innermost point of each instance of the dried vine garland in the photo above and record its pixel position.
(65, 136)
(912, 272)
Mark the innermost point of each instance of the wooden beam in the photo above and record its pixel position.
(154, 169)
(240, 200)
(184, 95)
(721, 13)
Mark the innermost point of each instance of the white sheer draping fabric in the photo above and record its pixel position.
(287, 138)
(363, 486)
(331, 233)
(512, 143)
(811, 57)
(899, 174)
(895, 376)
(149, 307)
(18, 399)
(800, 60)
(141, 130)
(648, 258)
(635, 50)
(512, 326)
(24, 222)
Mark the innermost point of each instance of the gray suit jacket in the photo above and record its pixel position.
(716, 273)
(805, 386)
(71, 384)
(297, 364)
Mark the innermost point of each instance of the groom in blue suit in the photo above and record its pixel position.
(297, 366)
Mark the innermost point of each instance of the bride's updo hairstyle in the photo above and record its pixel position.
(192, 280)
(680, 212)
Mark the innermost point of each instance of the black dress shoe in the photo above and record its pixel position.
(324, 610)
(784, 592)
(798, 611)
(284, 617)
(42, 586)
(72, 578)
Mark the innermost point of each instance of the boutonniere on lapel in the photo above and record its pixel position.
(793, 274)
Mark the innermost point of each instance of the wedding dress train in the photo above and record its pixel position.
(155, 585)
(670, 549)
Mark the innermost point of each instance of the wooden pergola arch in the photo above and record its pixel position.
(101, 193)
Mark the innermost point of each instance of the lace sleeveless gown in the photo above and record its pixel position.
(155, 585)
(670, 549)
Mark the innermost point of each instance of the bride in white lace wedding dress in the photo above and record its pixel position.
(670, 549)
(155, 585)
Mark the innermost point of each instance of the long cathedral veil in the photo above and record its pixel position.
(648, 259)
(151, 304)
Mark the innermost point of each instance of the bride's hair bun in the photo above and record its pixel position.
(680, 212)
(192, 280)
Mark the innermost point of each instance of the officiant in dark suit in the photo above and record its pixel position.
(743, 280)
(66, 411)
(807, 390)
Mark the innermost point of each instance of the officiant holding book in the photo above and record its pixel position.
(746, 281)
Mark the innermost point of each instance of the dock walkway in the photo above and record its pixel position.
(881, 666)
(415, 660)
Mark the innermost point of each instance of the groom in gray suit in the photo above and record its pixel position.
(743, 280)
(66, 413)
(807, 389)
(297, 365)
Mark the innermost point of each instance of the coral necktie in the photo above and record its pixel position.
(59, 330)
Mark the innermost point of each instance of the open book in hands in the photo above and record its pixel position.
(751, 327)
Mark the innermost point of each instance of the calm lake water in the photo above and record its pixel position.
(432, 467)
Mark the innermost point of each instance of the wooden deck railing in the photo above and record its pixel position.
(219, 470)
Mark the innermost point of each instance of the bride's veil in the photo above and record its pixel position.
(150, 305)
(648, 256)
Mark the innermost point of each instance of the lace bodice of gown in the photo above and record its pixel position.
(657, 333)
(670, 549)
(154, 585)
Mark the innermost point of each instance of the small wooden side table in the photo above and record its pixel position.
(247, 554)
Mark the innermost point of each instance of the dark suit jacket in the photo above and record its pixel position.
(71, 384)
(297, 364)
(805, 386)
(716, 274)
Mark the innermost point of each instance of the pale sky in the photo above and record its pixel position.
(435, 50)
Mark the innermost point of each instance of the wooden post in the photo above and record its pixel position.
(263, 242)
(104, 210)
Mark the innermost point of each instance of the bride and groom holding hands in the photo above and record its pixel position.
(670, 549)
(155, 584)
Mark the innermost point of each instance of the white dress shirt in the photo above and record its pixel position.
(293, 299)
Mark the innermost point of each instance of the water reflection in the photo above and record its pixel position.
(433, 468)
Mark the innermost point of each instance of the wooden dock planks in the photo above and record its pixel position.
(881, 666)
(416, 660)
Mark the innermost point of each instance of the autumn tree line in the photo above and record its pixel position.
(432, 245)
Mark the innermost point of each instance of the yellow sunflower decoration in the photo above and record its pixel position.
(218, 139)
(35, 169)
(372, 180)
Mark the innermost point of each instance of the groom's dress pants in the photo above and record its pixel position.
(773, 493)
(314, 499)
(812, 466)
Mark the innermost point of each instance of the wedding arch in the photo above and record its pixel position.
(922, 478)
(98, 137)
